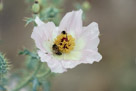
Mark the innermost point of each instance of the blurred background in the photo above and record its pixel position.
(117, 24)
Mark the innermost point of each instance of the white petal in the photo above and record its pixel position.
(43, 36)
(44, 57)
(55, 65)
(90, 56)
(76, 53)
(91, 31)
(38, 21)
(79, 44)
(70, 64)
(91, 36)
(73, 55)
(72, 21)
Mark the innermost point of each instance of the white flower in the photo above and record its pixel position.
(69, 44)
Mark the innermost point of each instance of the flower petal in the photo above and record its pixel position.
(44, 57)
(43, 36)
(91, 36)
(55, 65)
(73, 55)
(90, 56)
(70, 64)
(38, 21)
(72, 21)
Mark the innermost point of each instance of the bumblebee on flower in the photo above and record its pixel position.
(63, 44)
(67, 45)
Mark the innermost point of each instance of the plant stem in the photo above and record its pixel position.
(25, 82)
(44, 74)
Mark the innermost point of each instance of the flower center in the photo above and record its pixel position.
(64, 43)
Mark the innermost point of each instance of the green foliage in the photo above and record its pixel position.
(29, 20)
(51, 12)
(31, 60)
(42, 78)
(28, 53)
(3, 65)
(35, 84)
(2, 88)
(47, 10)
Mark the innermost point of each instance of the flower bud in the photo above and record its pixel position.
(3, 65)
(36, 7)
(86, 5)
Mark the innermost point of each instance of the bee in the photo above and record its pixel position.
(36, 1)
(63, 32)
(55, 49)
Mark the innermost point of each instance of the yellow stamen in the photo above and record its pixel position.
(65, 43)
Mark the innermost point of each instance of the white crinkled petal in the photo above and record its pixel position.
(72, 21)
(73, 55)
(43, 36)
(91, 36)
(90, 56)
(92, 29)
(70, 63)
(55, 65)
(44, 57)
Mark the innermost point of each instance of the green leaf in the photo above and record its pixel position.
(29, 20)
(27, 52)
(31, 60)
(31, 63)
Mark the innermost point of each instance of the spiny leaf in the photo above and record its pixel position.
(29, 20)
